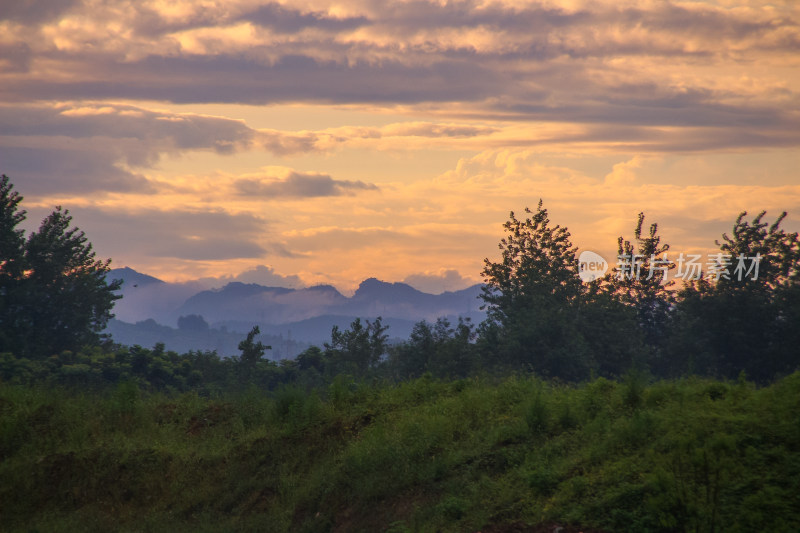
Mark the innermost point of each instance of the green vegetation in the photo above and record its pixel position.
(53, 292)
(740, 315)
(423, 455)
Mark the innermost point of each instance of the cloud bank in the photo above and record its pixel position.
(336, 141)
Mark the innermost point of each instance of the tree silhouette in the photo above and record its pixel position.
(744, 318)
(538, 263)
(252, 350)
(358, 348)
(532, 297)
(54, 291)
(641, 280)
(12, 250)
(776, 252)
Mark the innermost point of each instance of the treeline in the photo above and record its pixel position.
(739, 312)
(360, 352)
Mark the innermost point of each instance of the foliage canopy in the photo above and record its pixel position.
(53, 290)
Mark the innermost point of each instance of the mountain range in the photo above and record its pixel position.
(291, 318)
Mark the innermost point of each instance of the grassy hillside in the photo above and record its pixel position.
(472, 455)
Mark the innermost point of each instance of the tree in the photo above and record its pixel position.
(11, 238)
(641, 280)
(12, 241)
(69, 299)
(776, 253)
(441, 349)
(311, 357)
(612, 332)
(195, 323)
(743, 317)
(359, 348)
(538, 265)
(532, 296)
(54, 291)
(252, 350)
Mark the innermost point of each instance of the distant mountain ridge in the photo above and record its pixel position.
(373, 298)
(306, 314)
(132, 278)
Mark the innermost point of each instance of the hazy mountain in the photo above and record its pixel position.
(268, 305)
(296, 316)
(132, 279)
(149, 332)
(399, 300)
(145, 297)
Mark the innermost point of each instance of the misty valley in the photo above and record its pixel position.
(184, 316)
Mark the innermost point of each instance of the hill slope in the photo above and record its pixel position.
(693, 455)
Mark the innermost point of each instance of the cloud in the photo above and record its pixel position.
(152, 131)
(260, 274)
(331, 238)
(287, 143)
(299, 185)
(93, 147)
(603, 108)
(278, 18)
(131, 236)
(281, 19)
(430, 129)
(624, 173)
(15, 57)
(597, 210)
(659, 65)
(82, 148)
(248, 78)
(34, 11)
(439, 281)
(266, 275)
(78, 169)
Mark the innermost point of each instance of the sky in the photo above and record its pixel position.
(305, 142)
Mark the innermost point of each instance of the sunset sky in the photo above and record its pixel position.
(312, 141)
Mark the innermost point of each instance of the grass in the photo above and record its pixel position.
(689, 455)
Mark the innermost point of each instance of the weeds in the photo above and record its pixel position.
(694, 455)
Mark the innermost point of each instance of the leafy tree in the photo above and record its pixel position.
(641, 281)
(311, 358)
(68, 298)
(745, 316)
(441, 349)
(12, 242)
(538, 265)
(776, 252)
(454, 356)
(54, 291)
(358, 348)
(643, 272)
(532, 296)
(611, 331)
(252, 350)
(11, 238)
(412, 358)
